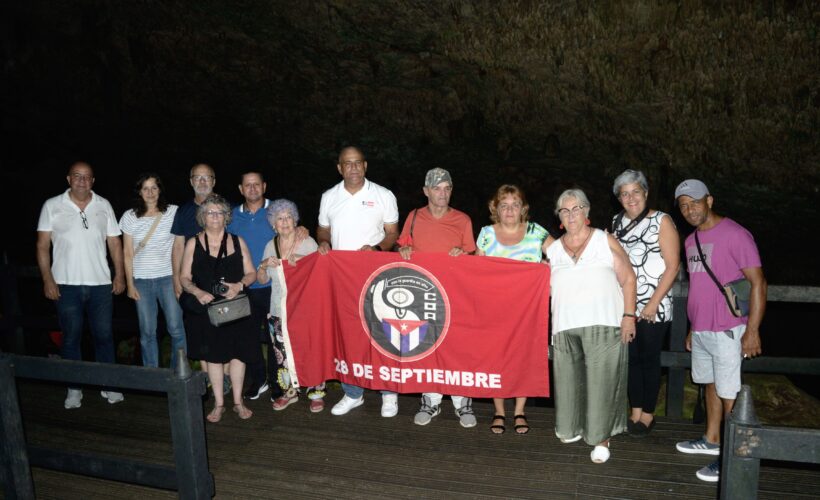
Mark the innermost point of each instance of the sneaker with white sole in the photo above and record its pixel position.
(112, 397)
(710, 473)
(346, 404)
(390, 405)
(253, 395)
(465, 414)
(698, 447)
(74, 399)
(426, 412)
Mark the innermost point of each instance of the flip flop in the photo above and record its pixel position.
(243, 411)
(216, 414)
(525, 426)
(500, 428)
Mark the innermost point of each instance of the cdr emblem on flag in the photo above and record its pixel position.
(405, 311)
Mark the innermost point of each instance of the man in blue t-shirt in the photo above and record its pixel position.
(249, 220)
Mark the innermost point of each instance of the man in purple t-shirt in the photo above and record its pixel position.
(718, 340)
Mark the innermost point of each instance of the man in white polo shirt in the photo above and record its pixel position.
(80, 224)
(357, 214)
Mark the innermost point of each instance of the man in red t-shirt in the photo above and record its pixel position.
(439, 228)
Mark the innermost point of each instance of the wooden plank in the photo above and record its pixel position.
(296, 454)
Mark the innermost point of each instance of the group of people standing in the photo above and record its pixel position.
(610, 289)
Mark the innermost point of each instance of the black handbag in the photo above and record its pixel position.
(737, 293)
(224, 311)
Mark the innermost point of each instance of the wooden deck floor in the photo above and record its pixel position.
(296, 454)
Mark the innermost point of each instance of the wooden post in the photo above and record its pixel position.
(739, 473)
(14, 469)
(188, 431)
(676, 377)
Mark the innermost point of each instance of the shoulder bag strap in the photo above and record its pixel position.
(148, 236)
(706, 266)
(413, 224)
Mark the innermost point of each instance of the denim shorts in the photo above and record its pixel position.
(716, 358)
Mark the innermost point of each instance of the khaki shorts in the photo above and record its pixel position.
(716, 359)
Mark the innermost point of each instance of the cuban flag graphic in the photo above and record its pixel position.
(404, 334)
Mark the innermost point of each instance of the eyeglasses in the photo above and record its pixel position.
(84, 218)
(200, 178)
(574, 211)
(635, 193)
(82, 177)
(215, 213)
(353, 163)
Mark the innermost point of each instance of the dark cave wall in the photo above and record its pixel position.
(548, 95)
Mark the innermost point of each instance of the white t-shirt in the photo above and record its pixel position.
(587, 292)
(357, 219)
(154, 260)
(79, 252)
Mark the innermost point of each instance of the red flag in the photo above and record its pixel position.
(467, 325)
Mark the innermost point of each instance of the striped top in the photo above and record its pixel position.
(153, 261)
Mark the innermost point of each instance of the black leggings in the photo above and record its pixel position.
(645, 364)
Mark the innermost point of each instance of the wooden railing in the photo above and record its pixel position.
(746, 442)
(190, 476)
(678, 360)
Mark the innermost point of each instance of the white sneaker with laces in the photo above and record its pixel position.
(346, 404)
(73, 399)
(390, 405)
(112, 397)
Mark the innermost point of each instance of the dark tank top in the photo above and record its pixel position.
(207, 269)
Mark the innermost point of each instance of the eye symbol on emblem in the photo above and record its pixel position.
(400, 297)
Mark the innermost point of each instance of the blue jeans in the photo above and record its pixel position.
(96, 301)
(152, 292)
(355, 392)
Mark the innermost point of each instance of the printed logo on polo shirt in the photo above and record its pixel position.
(405, 311)
(368, 203)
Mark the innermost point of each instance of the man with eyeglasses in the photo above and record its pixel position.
(185, 227)
(357, 214)
(718, 340)
(81, 225)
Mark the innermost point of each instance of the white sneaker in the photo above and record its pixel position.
(112, 397)
(73, 399)
(346, 404)
(390, 405)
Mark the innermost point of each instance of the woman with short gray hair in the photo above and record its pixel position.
(285, 248)
(593, 318)
(215, 265)
(650, 239)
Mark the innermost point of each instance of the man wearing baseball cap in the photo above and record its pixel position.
(719, 341)
(438, 227)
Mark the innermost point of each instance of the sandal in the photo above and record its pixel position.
(522, 428)
(216, 414)
(243, 411)
(498, 428)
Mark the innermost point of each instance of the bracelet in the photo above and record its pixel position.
(630, 315)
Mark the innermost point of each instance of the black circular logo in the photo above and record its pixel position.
(405, 311)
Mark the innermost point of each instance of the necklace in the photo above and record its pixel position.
(575, 253)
